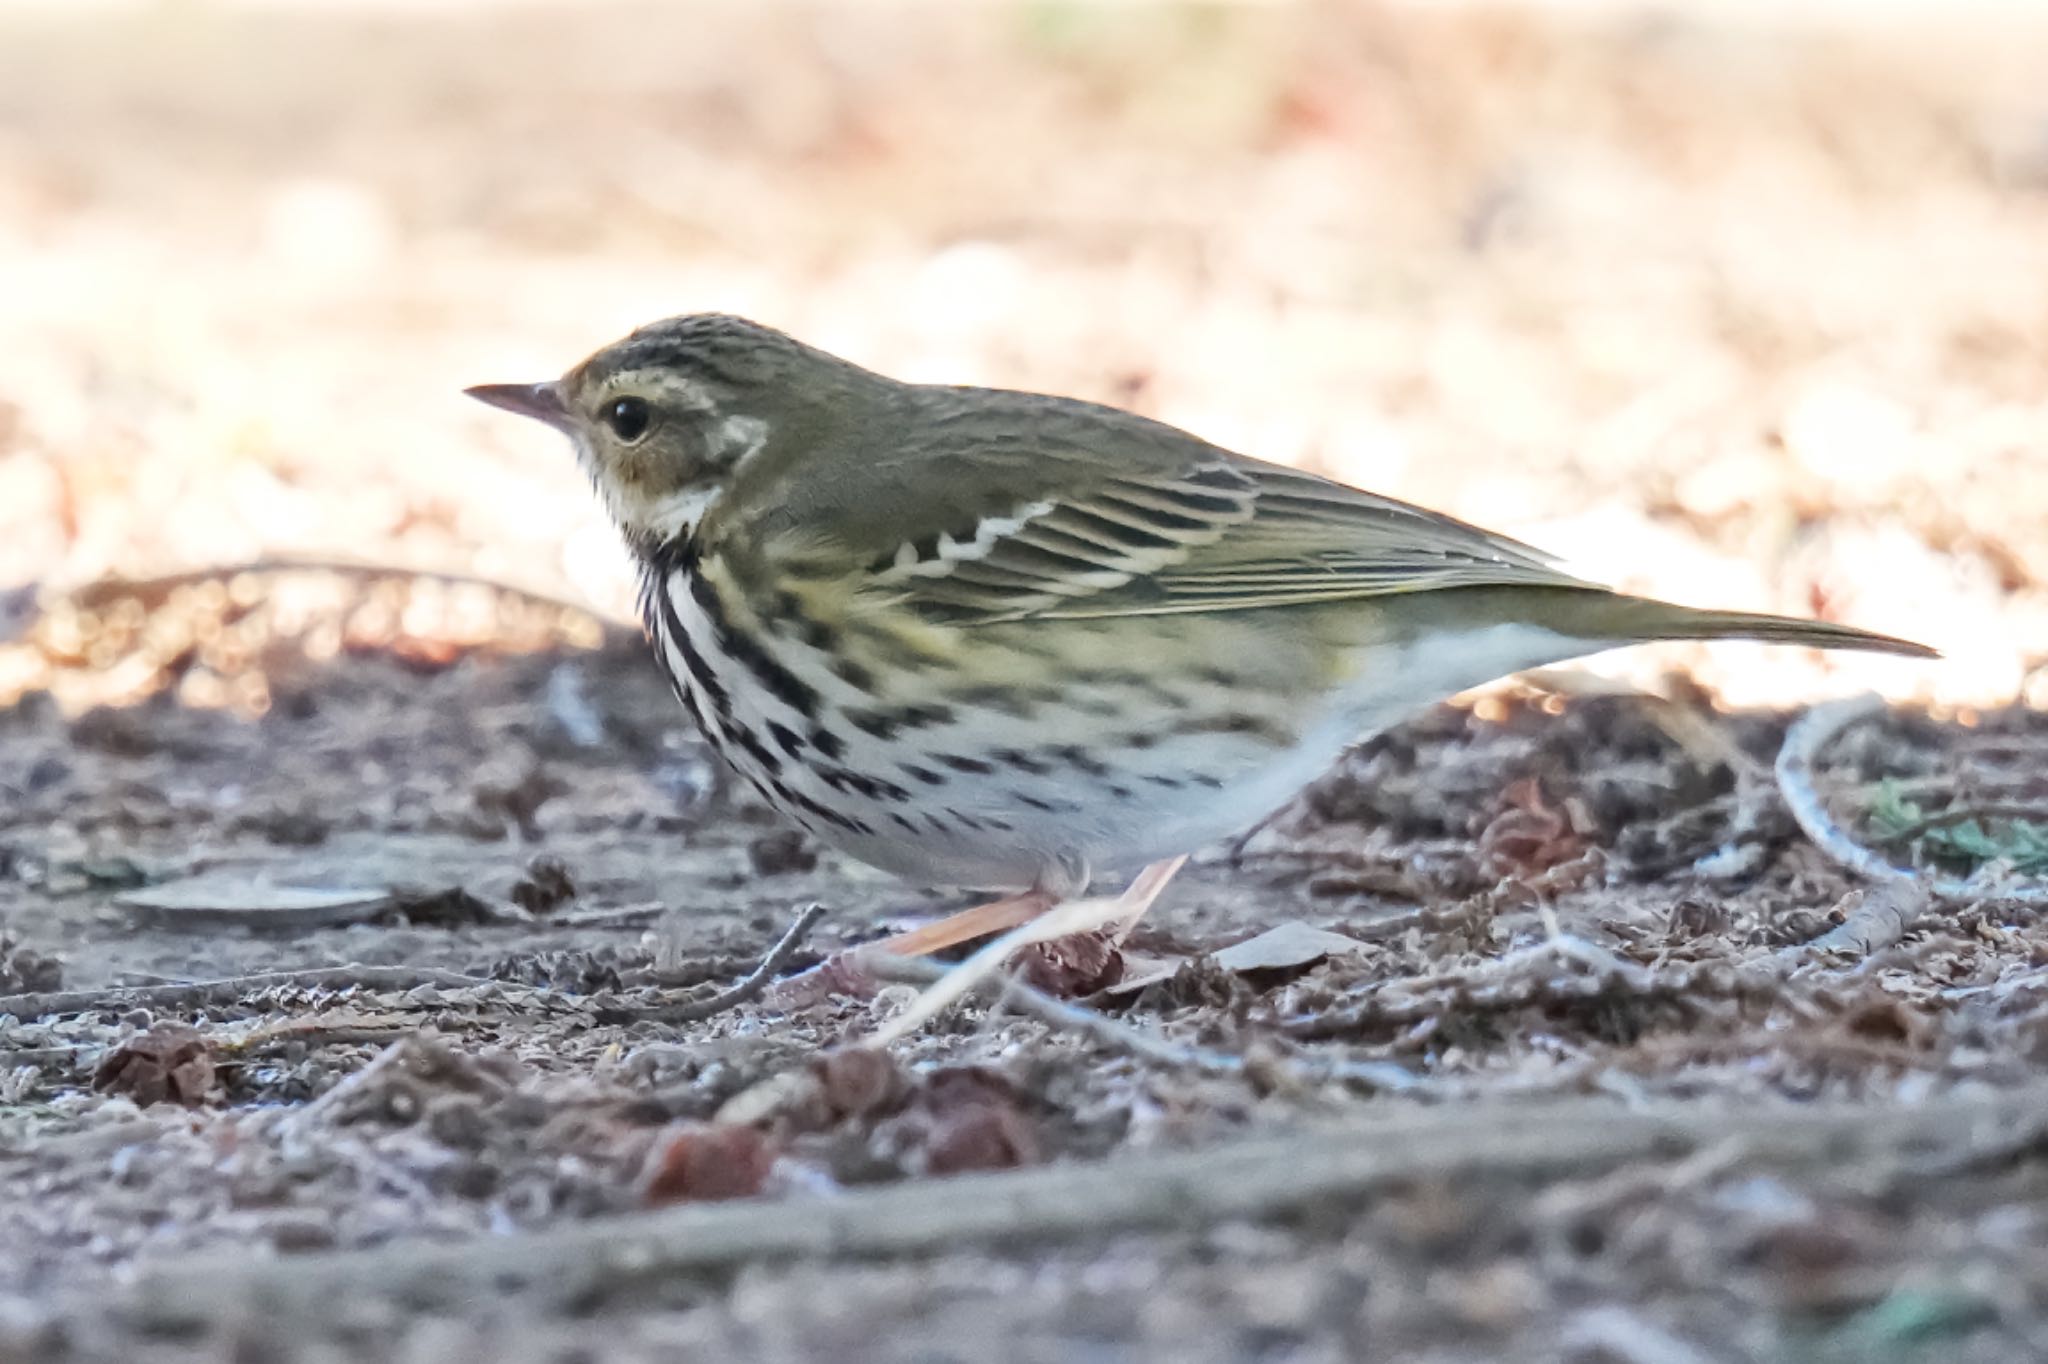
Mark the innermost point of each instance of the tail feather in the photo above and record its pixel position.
(1618, 617)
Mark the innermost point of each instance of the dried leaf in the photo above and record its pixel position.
(170, 1063)
(1529, 835)
(981, 1137)
(545, 887)
(705, 1162)
(24, 970)
(1287, 945)
(782, 851)
(974, 1123)
(860, 1081)
(1079, 964)
(1290, 946)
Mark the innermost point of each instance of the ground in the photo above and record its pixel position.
(1641, 1014)
(553, 831)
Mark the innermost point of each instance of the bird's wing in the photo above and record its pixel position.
(1096, 513)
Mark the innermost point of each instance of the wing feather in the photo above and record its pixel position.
(1223, 535)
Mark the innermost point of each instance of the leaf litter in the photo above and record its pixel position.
(513, 1071)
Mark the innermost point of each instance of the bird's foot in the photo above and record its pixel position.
(845, 974)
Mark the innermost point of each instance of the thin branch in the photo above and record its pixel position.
(747, 988)
(1876, 919)
(580, 1263)
(1509, 983)
(1808, 737)
(1805, 741)
(233, 989)
(1036, 1003)
(625, 916)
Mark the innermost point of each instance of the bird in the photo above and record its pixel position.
(1010, 641)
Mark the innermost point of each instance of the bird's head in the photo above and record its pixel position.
(664, 419)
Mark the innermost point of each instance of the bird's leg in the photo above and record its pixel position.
(997, 916)
(1119, 913)
(1036, 916)
(843, 973)
(1145, 887)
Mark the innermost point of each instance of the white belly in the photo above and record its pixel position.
(1101, 767)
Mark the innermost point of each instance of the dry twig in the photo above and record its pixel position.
(747, 988)
(577, 1263)
(233, 989)
(1509, 983)
(1121, 1036)
(1805, 741)
(1876, 919)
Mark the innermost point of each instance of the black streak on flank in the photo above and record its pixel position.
(672, 631)
(959, 764)
(884, 724)
(828, 814)
(923, 774)
(745, 650)
(683, 695)
(787, 739)
(853, 675)
(872, 722)
(1022, 761)
(760, 752)
(1010, 701)
(1079, 758)
(871, 788)
(1240, 722)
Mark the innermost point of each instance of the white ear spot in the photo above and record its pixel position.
(736, 439)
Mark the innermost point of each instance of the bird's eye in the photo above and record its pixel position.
(628, 418)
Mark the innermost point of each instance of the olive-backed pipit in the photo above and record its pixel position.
(1001, 639)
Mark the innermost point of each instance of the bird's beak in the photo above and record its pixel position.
(542, 402)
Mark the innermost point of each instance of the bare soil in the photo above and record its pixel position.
(554, 831)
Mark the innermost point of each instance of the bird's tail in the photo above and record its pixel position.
(1612, 615)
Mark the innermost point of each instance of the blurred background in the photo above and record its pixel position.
(1742, 304)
